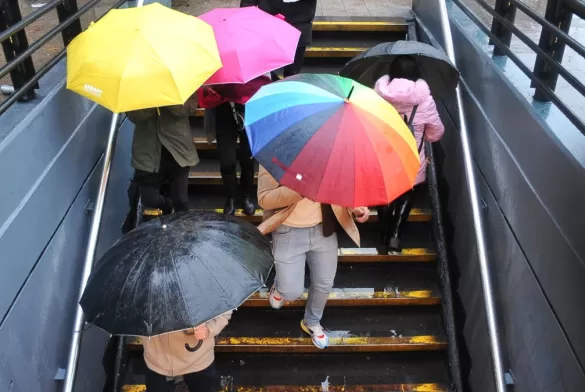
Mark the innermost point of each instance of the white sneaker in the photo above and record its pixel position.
(276, 300)
(319, 337)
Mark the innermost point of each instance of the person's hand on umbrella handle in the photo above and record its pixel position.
(361, 214)
(201, 332)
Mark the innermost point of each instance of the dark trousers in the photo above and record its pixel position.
(227, 135)
(392, 218)
(149, 185)
(295, 67)
(203, 381)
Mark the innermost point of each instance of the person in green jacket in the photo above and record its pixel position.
(162, 151)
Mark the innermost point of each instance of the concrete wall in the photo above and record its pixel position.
(532, 188)
(50, 163)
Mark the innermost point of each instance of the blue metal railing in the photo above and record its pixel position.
(549, 51)
(18, 51)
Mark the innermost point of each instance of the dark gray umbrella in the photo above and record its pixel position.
(175, 273)
(434, 65)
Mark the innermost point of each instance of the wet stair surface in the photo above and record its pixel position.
(384, 314)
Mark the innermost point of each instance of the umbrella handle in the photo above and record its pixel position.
(193, 349)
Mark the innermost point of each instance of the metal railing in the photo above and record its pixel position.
(18, 52)
(478, 221)
(554, 37)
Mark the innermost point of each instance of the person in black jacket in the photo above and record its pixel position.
(300, 14)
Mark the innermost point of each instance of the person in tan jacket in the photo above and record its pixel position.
(303, 230)
(177, 354)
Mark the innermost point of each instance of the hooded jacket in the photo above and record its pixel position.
(166, 354)
(404, 95)
(166, 126)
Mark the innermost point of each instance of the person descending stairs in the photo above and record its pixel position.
(383, 316)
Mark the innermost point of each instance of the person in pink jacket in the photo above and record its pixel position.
(411, 97)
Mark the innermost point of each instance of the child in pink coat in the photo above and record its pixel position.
(405, 90)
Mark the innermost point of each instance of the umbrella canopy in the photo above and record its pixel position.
(434, 65)
(138, 58)
(251, 43)
(332, 140)
(176, 272)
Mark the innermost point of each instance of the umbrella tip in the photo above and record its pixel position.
(164, 226)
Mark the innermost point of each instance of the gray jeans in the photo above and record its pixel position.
(292, 247)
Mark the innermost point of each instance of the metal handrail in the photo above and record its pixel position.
(573, 81)
(566, 38)
(45, 38)
(542, 86)
(472, 188)
(5, 34)
(13, 98)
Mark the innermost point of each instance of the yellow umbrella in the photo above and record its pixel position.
(138, 58)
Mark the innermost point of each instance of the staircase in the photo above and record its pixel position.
(384, 315)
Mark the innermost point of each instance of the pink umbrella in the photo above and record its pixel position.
(251, 43)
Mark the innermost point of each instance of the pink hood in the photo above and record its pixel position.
(404, 94)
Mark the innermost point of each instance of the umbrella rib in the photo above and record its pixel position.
(233, 258)
(213, 276)
(180, 282)
(126, 280)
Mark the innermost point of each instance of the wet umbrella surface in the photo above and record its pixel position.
(435, 67)
(175, 273)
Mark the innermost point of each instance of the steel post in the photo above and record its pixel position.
(560, 16)
(64, 11)
(506, 9)
(14, 46)
(472, 188)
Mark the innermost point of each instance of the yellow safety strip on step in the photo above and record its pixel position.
(319, 51)
(356, 294)
(377, 26)
(338, 344)
(319, 388)
(349, 341)
(152, 212)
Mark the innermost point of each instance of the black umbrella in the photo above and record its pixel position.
(434, 65)
(175, 273)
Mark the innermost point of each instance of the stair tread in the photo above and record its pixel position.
(370, 285)
(429, 387)
(416, 215)
(350, 370)
(356, 329)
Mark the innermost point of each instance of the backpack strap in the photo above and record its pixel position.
(422, 140)
(412, 115)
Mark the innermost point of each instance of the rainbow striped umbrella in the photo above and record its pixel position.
(332, 140)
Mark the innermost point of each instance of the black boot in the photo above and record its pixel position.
(249, 207)
(403, 208)
(230, 206)
(231, 186)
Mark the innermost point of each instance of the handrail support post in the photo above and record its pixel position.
(64, 11)
(506, 9)
(10, 15)
(559, 15)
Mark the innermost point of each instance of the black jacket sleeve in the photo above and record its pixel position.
(248, 3)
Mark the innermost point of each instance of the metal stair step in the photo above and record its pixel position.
(319, 388)
(416, 215)
(397, 329)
